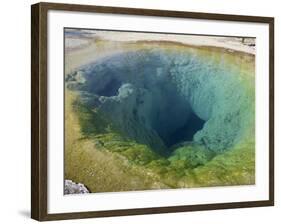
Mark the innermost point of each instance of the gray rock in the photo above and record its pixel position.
(71, 187)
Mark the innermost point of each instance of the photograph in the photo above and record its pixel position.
(139, 111)
(151, 111)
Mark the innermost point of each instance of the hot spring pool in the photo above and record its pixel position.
(163, 108)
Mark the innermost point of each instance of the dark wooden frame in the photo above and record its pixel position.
(39, 110)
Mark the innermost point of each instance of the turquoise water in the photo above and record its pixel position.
(188, 107)
(154, 96)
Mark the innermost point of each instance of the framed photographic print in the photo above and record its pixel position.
(139, 111)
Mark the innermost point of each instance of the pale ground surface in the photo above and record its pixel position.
(89, 45)
(83, 37)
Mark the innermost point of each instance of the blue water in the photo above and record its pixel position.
(156, 96)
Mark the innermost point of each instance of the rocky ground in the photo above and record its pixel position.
(71, 187)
